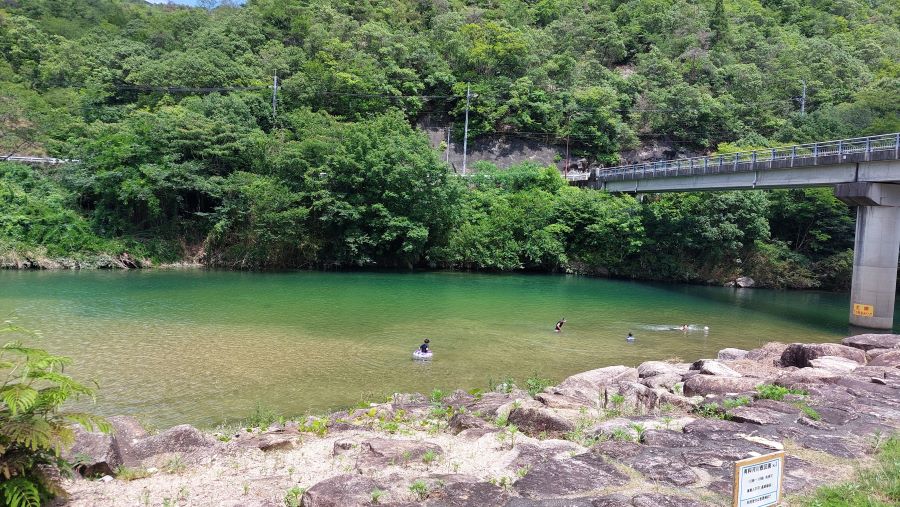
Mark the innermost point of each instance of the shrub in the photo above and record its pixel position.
(777, 393)
(420, 489)
(536, 384)
(33, 428)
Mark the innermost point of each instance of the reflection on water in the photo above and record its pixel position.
(202, 347)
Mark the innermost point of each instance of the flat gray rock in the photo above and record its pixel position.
(668, 438)
(579, 475)
(341, 491)
(468, 494)
(380, 452)
(873, 341)
(835, 364)
(756, 415)
(657, 500)
(730, 354)
(701, 385)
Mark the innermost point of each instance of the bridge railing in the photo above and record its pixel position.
(36, 160)
(862, 149)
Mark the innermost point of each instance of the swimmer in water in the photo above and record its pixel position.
(424, 348)
(559, 324)
(684, 327)
(630, 337)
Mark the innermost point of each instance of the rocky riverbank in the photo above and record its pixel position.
(661, 434)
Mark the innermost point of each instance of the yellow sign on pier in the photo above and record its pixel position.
(863, 310)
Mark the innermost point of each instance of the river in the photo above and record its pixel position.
(204, 347)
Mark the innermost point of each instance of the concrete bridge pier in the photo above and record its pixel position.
(875, 252)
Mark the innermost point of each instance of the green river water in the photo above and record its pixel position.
(204, 347)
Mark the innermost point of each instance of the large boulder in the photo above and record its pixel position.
(891, 359)
(578, 475)
(100, 453)
(587, 385)
(731, 354)
(654, 368)
(800, 354)
(745, 282)
(341, 491)
(702, 385)
(713, 367)
(533, 417)
(183, 438)
(665, 381)
(92, 452)
(873, 341)
(768, 354)
(835, 364)
(489, 403)
(799, 378)
(465, 421)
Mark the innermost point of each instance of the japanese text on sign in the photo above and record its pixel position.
(757, 481)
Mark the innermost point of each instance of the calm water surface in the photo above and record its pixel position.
(204, 347)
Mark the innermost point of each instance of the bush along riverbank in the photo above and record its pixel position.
(664, 433)
(524, 218)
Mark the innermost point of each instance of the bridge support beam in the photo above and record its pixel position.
(875, 252)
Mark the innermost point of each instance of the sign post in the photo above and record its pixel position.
(757, 481)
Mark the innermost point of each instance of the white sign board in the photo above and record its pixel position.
(757, 481)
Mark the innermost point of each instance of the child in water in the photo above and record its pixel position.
(424, 346)
(630, 337)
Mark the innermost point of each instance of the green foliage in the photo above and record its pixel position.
(131, 474)
(420, 489)
(777, 393)
(874, 486)
(261, 417)
(740, 401)
(376, 495)
(340, 177)
(535, 384)
(429, 456)
(292, 498)
(34, 429)
(437, 395)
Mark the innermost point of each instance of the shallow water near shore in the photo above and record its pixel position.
(203, 347)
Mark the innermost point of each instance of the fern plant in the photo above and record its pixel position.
(34, 429)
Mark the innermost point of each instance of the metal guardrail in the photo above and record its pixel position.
(37, 160)
(862, 149)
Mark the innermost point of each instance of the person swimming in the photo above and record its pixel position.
(685, 327)
(424, 347)
(630, 337)
(559, 324)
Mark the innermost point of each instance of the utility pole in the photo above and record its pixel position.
(803, 99)
(448, 142)
(274, 94)
(466, 129)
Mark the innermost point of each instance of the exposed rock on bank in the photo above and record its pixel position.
(660, 434)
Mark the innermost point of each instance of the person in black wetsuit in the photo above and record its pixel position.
(424, 347)
(559, 324)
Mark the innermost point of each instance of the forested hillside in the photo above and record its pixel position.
(170, 111)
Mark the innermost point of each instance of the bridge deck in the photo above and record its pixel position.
(827, 163)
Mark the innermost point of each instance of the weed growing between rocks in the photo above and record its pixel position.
(293, 496)
(777, 393)
(535, 384)
(420, 489)
(130, 474)
(375, 496)
(876, 486)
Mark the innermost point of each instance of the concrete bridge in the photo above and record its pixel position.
(865, 172)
